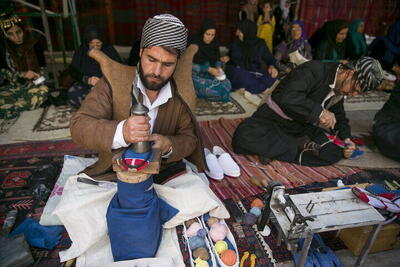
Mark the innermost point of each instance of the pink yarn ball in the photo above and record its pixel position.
(218, 231)
(193, 229)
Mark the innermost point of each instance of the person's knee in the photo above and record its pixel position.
(331, 153)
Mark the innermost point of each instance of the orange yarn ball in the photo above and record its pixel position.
(257, 203)
(228, 257)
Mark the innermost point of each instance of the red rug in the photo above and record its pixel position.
(219, 132)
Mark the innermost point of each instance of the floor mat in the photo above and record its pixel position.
(15, 169)
(371, 100)
(204, 107)
(48, 123)
(219, 132)
(372, 157)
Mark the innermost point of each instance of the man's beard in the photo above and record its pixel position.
(152, 85)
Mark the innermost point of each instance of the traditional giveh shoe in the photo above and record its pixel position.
(228, 165)
(215, 171)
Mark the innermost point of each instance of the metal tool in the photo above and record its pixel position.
(85, 180)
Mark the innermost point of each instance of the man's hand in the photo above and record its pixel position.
(161, 142)
(136, 129)
(93, 80)
(348, 151)
(30, 75)
(327, 119)
(272, 71)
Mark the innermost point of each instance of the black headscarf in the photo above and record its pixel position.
(85, 64)
(207, 52)
(251, 44)
(331, 29)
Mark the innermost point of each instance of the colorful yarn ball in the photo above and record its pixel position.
(218, 231)
(190, 222)
(193, 229)
(196, 242)
(250, 219)
(257, 203)
(201, 253)
(256, 211)
(202, 233)
(211, 221)
(228, 257)
(200, 263)
(220, 246)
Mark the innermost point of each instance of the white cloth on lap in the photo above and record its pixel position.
(83, 207)
(72, 165)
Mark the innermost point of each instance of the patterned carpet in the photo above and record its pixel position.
(48, 123)
(19, 161)
(219, 132)
(204, 108)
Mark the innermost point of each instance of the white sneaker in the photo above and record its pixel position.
(214, 169)
(228, 165)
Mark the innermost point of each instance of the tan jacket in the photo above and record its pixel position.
(94, 124)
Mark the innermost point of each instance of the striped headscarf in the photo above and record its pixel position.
(368, 72)
(164, 30)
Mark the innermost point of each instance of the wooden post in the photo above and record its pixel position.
(48, 39)
(110, 21)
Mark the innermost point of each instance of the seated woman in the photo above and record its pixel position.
(266, 25)
(208, 76)
(357, 45)
(249, 10)
(330, 45)
(251, 65)
(386, 49)
(84, 70)
(297, 41)
(20, 62)
(386, 129)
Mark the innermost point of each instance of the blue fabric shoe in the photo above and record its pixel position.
(134, 218)
(38, 235)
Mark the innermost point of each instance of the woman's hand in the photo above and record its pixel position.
(224, 59)
(30, 75)
(213, 71)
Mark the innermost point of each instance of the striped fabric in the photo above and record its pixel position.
(368, 72)
(164, 30)
(378, 15)
(219, 132)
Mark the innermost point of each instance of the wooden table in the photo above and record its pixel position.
(332, 210)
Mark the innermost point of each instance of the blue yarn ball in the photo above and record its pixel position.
(202, 233)
(256, 211)
(250, 218)
(196, 242)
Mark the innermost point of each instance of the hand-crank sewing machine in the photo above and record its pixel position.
(301, 215)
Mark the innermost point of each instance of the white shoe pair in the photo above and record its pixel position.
(219, 163)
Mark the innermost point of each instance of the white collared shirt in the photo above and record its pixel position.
(162, 98)
(332, 92)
